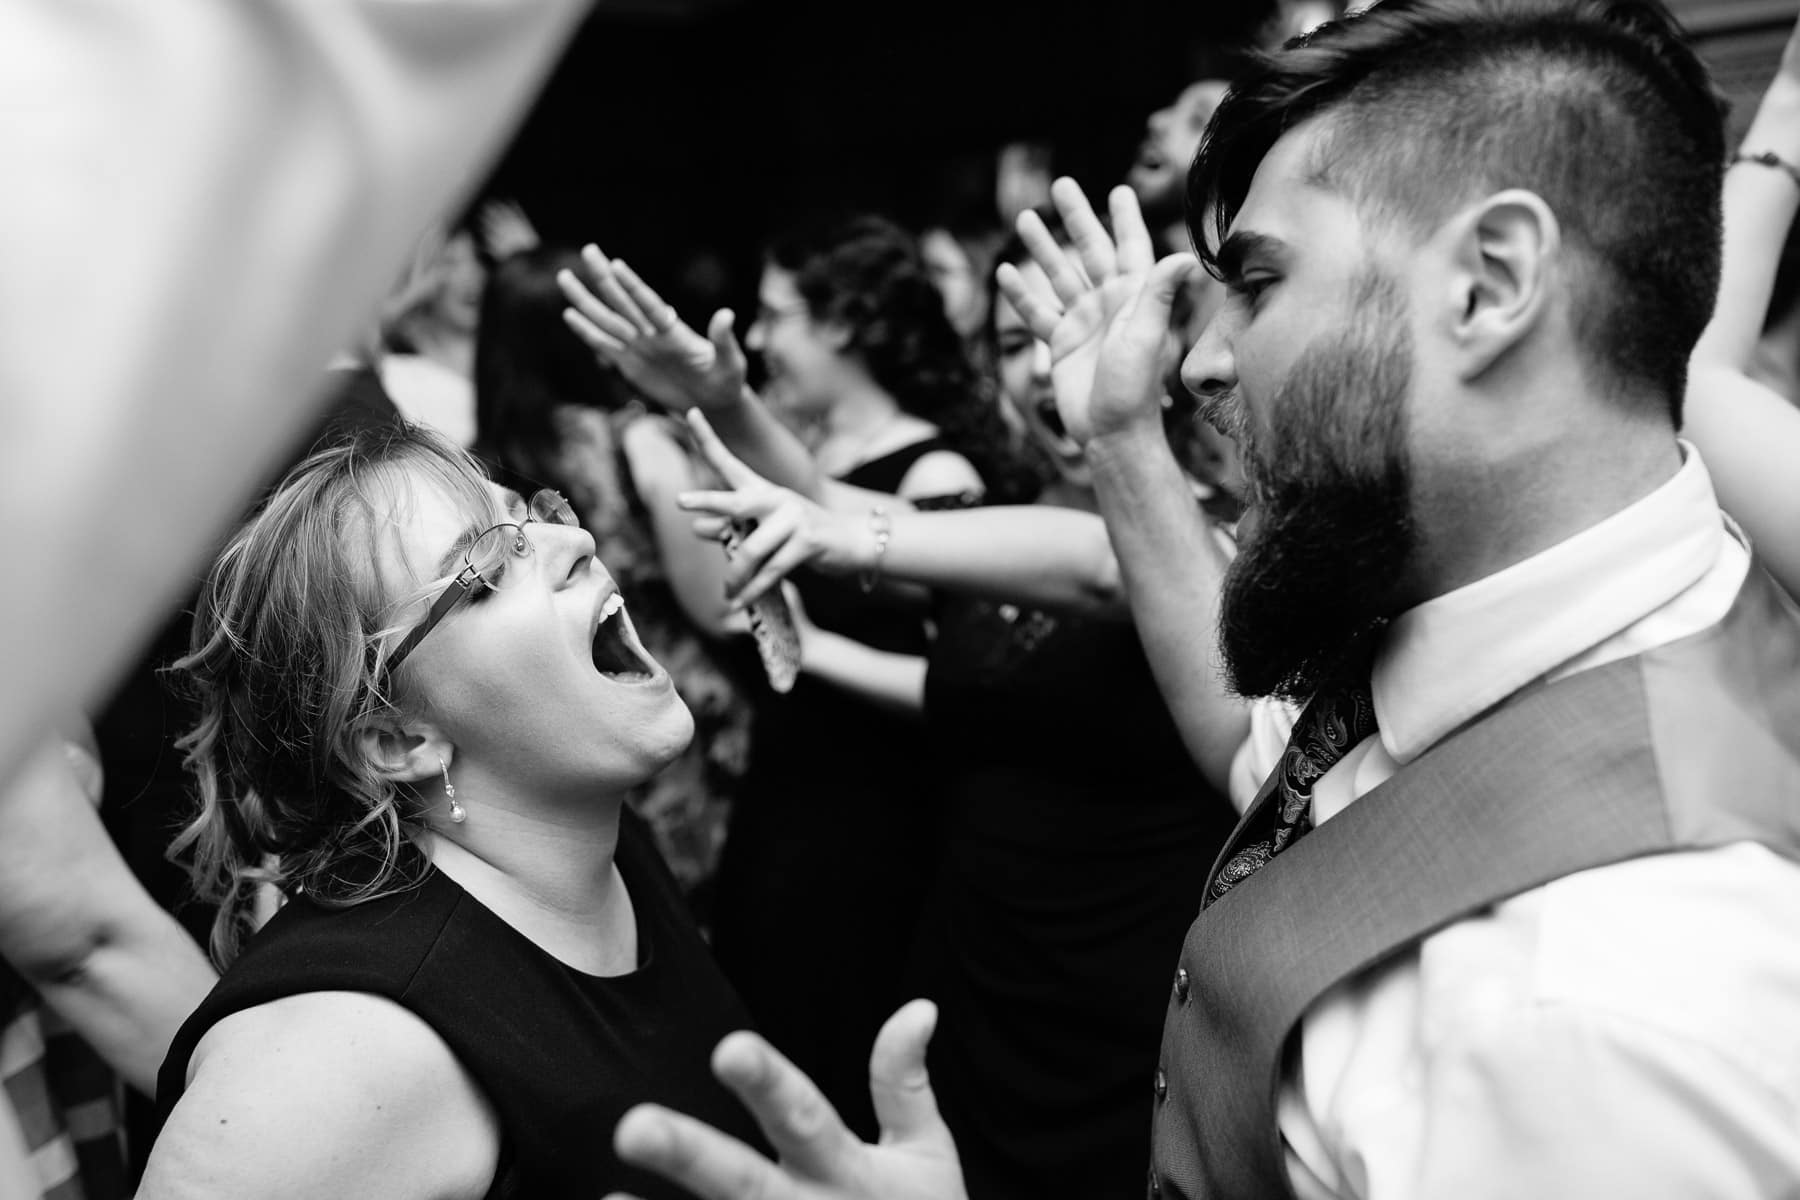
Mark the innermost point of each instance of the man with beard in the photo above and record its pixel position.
(1512, 915)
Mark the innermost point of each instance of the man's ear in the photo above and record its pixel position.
(1507, 252)
(404, 751)
(835, 334)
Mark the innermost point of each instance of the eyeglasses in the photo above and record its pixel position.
(487, 563)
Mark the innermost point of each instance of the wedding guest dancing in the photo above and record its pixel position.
(422, 705)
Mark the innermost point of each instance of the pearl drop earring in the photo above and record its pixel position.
(457, 813)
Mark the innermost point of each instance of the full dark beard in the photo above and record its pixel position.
(1333, 534)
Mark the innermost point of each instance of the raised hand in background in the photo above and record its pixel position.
(635, 331)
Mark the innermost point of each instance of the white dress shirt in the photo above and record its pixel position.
(1631, 1030)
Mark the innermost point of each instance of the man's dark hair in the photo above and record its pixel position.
(1599, 107)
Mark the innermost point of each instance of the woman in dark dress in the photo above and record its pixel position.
(834, 841)
(422, 706)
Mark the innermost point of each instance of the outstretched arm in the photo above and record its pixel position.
(1749, 435)
(1032, 554)
(895, 682)
(76, 924)
(1107, 325)
(1760, 202)
(662, 471)
(634, 330)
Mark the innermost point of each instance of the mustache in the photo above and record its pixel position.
(1222, 411)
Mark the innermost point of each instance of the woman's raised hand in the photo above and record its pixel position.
(788, 531)
(637, 332)
(1107, 319)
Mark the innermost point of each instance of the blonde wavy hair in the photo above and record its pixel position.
(288, 665)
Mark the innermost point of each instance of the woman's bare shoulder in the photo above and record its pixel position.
(340, 1094)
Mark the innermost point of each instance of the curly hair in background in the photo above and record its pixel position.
(866, 274)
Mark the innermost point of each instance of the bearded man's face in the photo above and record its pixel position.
(1328, 535)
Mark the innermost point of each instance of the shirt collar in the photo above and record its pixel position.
(1453, 657)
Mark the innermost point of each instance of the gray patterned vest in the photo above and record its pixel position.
(1690, 745)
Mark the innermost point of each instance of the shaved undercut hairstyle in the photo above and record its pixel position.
(1599, 107)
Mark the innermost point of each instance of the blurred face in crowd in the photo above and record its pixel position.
(541, 680)
(1023, 364)
(804, 358)
(1309, 366)
(458, 303)
(1171, 138)
(950, 269)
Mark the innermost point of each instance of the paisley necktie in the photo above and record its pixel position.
(1330, 724)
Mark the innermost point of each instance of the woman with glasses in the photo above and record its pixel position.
(421, 707)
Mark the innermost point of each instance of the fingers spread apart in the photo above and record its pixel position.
(898, 1082)
(1039, 312)
(1066, 277)
(610, 293)
(593, 309)
(1136, 251)
(708, 1163)
(799, 1122)
(1092, 242)
(661, 315)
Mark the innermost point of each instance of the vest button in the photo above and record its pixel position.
(1182, 985)
(1162, 1084)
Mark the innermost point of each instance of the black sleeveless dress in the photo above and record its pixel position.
(1078, 833)
(559, 1054)
(831, 845)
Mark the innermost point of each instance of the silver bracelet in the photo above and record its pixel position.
(882, 526)
(1768, 158)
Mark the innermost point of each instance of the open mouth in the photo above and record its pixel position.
(1052, 422)
(617, 653)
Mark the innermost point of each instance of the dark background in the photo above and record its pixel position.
(674, 129)
(678, 125)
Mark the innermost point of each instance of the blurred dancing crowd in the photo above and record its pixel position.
(1278, 679)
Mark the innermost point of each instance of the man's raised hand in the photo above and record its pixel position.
(1106, 318)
